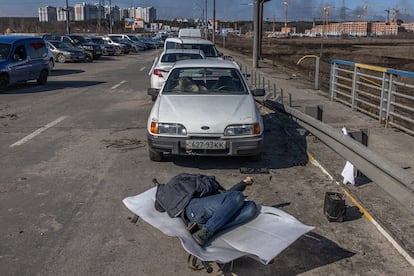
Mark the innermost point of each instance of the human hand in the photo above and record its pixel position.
(248, 180)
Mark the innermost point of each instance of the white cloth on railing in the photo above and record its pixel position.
(263, 238)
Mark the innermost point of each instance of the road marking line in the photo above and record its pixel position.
(37, 132)
(142, 69)
(118, 85)
(370, 218)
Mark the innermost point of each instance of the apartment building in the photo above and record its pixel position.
(47, 14)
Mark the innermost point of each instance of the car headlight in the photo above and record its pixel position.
(168, 128)
(240, 130)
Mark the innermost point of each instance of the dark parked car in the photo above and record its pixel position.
(80, 42)
(64, 52)
(23, 58)
(107, 49)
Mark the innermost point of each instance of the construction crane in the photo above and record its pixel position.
(388, 16)
(286, 4)
(325, 10)
(395, 12)
(365, 8)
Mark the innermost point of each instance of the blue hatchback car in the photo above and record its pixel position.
(23, 58)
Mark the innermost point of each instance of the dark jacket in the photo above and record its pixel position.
(174, 196)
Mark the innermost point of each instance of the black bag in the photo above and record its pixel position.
(334, 207)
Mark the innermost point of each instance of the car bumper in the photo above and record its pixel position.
(234, 147)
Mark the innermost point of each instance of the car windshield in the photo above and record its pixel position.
(173, 57)
(4, 50)
(208, 49)
(220, 81)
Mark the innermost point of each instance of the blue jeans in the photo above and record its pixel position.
(221, 211)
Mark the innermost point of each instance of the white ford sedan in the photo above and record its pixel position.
(205, 107)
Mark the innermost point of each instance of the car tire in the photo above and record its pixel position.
(88, 58)
(51, 64)
(155, 155)
(4, 81)
(61, 58)
(153, 98)
(42, 80)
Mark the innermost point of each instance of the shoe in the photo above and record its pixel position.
(202, 236)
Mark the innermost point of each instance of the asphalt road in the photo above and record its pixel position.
(73, 149)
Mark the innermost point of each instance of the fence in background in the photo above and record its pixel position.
(383, 93)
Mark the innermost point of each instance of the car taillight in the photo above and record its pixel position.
(159, 72)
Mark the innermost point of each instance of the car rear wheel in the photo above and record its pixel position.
(155, 155)
(4, 81)
(61, 58)
(42, 80)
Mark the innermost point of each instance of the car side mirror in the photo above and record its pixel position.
(153, 92)
(258, 92)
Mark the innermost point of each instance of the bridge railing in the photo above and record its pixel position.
(383, 93)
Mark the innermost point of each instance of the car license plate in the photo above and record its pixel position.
(205, 144)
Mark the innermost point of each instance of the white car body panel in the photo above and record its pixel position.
(216, 111)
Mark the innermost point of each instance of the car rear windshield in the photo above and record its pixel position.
(173, 57)
(4, 50)
(221, 81)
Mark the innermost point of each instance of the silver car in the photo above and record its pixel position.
(166, 61)
(205, 108)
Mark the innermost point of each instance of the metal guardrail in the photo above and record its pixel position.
(390, 177)
(382, 93)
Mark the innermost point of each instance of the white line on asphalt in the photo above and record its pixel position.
(142, 69)
(37, 132)
(118, 85)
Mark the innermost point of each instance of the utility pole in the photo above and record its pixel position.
(67, 17)
(110, 16)
(257, 29)
(214, 21)
(256, 12)
(206, 26)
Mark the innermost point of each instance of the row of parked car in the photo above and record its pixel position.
(72, 47)
(24, 58)
(203, 104)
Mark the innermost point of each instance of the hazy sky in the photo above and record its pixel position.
(232, 9)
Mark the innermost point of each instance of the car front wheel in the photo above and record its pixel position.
(155, 155)
(61, 58)
(42, 78)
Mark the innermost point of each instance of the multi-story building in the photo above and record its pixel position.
(47, 14)
(148, 14)
(359, 29)
(61, 13)
(85, 11)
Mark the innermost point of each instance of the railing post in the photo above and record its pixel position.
(332, 81)
(354, 93)
(384, 97)
(317, 73)
(390, 101)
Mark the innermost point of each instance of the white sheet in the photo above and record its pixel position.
(262, 238)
